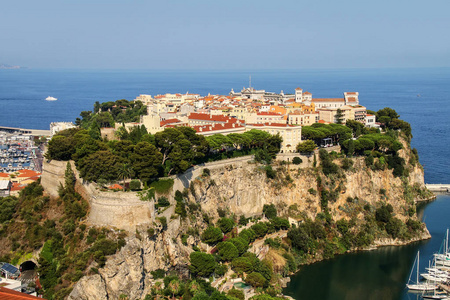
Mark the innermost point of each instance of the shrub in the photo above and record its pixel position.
(162, 202)
(270, 173)
(162, 186)
(297, 160)
(135, 185)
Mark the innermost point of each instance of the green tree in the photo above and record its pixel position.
(145, 161)
(212, 235)
(269, 211)
(227, 251)
(339, 117)
(202, 264)
(256, 280)
(225, 224)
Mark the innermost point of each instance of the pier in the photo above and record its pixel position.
(441, 188)
(36, 132)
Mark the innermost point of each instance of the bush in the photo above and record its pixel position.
(162, 202)
(158, 273)
(238, 294)
(270, 173)
(162, 186)
(297, 160)
(135, 185)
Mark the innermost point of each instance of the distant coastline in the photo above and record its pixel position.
(9, 67)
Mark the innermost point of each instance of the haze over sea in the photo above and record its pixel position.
(420, 96)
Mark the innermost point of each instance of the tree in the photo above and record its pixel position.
(241, 265)
(211, 235)
(225, 224)
(145, 161)
(202, 264)
(100, 165)
(306, 146)
(174, 287)
(270, 211)
(227, 251)
(255, 279)
(124, 172)
(339, 117)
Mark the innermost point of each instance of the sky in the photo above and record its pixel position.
(215, 34)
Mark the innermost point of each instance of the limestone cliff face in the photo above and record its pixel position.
(128, 271)
(243, 189)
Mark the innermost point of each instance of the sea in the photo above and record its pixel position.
(420, 96)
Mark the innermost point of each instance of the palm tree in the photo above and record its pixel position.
(125, 171)
(174, 287)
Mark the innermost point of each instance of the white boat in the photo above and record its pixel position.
(419, 286)
(50, 98)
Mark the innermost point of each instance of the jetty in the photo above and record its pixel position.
(439, 188)
(35, 132)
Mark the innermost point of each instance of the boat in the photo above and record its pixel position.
(50, 98)
(419, 286)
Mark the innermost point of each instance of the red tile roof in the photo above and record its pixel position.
(8, 294)
(307, 93)
(6, 175)
(351, 93)
(217, 127)
(169, 121)
(212, 118)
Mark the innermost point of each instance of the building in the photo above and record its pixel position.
(58, 126)
(291, 134)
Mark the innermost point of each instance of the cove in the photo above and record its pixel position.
(376, 274)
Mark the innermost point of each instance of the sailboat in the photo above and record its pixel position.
(419, 286)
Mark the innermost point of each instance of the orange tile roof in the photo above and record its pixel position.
(27, 173)
(115, 186)
(4, 174)
(307, 93)
(17, 186)
(351, 93)
(8, 294)
(298, 89)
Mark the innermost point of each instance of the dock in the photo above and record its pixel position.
(35, 132)
(439, 188)
(444, 287)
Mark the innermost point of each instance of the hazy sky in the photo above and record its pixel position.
(212, 34)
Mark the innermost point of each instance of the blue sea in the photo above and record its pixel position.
(420, 96)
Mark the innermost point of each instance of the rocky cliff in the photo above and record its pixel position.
(243, 188)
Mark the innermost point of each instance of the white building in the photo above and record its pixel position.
(58, 126)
